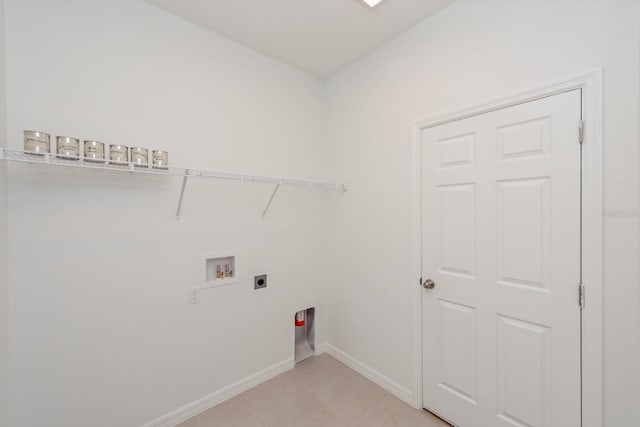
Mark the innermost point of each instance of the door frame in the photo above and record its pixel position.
(591, 84)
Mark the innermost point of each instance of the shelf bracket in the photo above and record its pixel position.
(273, 195)
(184, 185)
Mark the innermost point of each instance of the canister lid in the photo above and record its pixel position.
(68, 139)
(37, 132)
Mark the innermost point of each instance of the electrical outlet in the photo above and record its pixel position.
(260, 282)
(194, 295)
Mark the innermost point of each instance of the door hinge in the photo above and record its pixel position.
(420, 281)
(581, 295)
(581, 132)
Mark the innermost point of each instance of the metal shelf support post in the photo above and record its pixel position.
(184, 185)
(273, 195)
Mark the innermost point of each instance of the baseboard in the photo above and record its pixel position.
(321, 348)
(194, 408)
(383, 381)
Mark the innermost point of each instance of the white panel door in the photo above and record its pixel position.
(501, 241)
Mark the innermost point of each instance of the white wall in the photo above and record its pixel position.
(470, 53)
(101, 333)
(100, 330)
(4, 266)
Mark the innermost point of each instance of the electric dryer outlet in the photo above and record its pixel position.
(260, 282)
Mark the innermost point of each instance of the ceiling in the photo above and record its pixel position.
(317, 36)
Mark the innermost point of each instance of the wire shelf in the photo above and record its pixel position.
(129, 167)
(79, 162)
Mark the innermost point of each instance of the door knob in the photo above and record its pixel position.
(429, 284)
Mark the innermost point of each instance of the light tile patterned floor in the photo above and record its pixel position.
(319, 392)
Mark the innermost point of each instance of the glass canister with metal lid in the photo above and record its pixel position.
(140, 157)
(94, 151)
(118, 154)
(160, 159)
(38, 143)
(68, 147)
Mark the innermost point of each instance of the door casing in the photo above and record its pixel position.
(591, 83)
